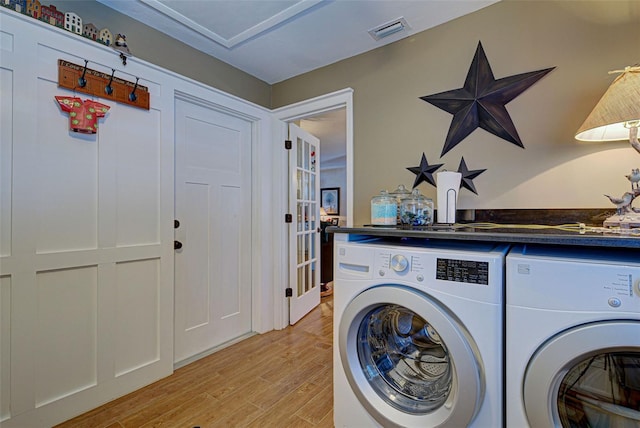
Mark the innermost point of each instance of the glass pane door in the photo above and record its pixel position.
(305, 234)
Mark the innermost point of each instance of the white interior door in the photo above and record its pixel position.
(304, 236)
(213, 207)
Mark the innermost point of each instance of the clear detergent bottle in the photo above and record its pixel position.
(384, 209)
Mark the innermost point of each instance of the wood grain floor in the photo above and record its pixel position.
(279, 379)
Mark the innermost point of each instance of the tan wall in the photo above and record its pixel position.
(155, 47)
(393, 127)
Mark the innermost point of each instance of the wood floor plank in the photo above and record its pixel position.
(239, 418)
(279, 379)
(318, 407)
(280, 414)
(176, 416)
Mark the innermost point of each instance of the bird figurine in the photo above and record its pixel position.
(634, 178)
(623, 204)
(121, 46)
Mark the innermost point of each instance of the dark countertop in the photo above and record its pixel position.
(548, 235)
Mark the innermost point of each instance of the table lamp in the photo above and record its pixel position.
(323, 214)
(617, 117)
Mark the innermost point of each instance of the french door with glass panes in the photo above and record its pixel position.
(304, 236)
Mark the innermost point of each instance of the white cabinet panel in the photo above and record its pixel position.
(6, 158)
(6, 41)
(230, 289)
(201, 153)
(66, 333)
(136, 135)
(137, 315)
(5, 346)
(66, 171)
(195, 294)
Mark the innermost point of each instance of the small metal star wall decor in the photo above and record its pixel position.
(468, 176)
(481, 102)
(424, 172)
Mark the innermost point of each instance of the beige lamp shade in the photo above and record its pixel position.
(618, 106)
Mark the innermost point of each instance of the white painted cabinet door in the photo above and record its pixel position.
(86, 303)
(304, 234)
(213, 207)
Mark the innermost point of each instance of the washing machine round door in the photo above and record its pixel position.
(586, 376)
(409, 360)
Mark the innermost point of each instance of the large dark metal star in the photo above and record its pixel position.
(424, 172)
(481, 102)
(468, 176)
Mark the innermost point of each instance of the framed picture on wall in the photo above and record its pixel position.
(330, 200)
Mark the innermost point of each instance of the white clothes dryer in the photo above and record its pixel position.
(572, 338)
(418, 331)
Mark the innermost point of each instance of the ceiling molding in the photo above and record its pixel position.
(262, 27)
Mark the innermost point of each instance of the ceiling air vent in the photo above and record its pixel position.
(389, 28)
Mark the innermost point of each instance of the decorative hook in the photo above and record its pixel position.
(82, 82)
(108, 89)
(132, 96)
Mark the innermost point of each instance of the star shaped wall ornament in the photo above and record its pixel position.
(481, 102)
(424, 172)
(468, 176)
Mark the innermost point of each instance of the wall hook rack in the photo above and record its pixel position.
(97, 84)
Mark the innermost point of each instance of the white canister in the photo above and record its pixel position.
(384, 209)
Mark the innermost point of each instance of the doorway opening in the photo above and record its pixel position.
(313, 111)
(331, 129)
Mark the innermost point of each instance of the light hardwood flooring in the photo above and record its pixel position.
(279, 379)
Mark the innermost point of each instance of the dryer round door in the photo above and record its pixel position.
(586, 376)
(409, 360)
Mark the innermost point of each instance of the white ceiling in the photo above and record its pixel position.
(274, 40)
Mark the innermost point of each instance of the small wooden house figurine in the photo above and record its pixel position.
(105, 36)
(51, 15)
(34, 8)
(73, 23)
(90, 31)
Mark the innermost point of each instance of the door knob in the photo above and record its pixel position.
(177, 245)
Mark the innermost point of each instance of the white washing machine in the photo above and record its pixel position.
(572, 338)
(418, 333)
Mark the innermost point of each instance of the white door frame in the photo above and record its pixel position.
(321, 104)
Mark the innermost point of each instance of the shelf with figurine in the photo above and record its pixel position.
(71, 22)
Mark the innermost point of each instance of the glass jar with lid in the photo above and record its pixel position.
(384, 209)
(400, 193)
(416, 210)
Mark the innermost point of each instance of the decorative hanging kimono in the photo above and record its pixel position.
(83, 115)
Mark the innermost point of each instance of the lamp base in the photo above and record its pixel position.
(624, 221)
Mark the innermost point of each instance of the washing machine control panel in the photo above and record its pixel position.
(392, 264)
